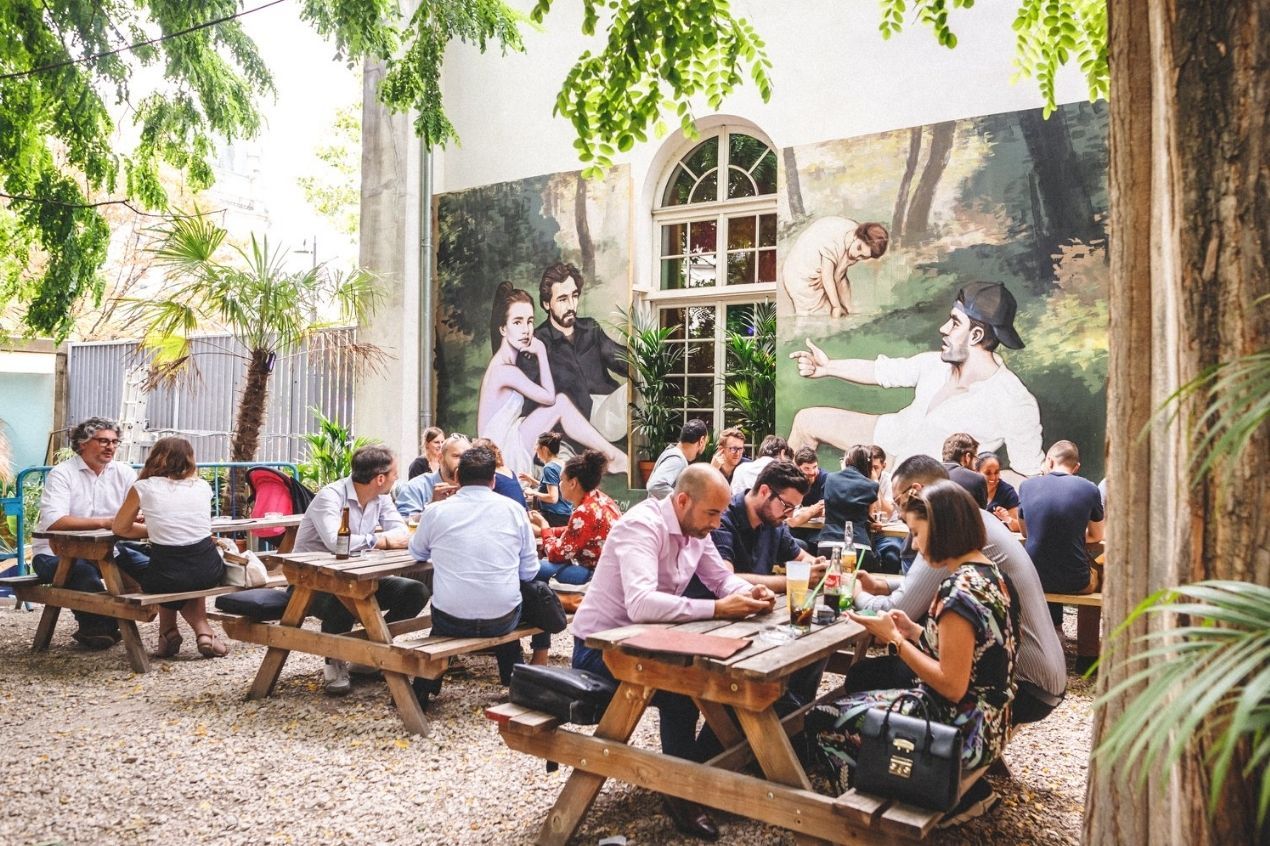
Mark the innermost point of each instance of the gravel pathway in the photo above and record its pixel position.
(93, 754)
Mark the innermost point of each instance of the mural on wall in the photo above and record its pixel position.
(529, 273)
(948, 278)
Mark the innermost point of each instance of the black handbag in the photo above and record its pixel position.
(540, 608)
(909, 758)
(575, 696)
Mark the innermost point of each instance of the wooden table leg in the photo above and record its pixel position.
(774, 753)
(270, 668)
(135, 650)
(1088, 631)
(371, 616)
(288, 539)
(48, 618)
(720, 722)
(618, 723)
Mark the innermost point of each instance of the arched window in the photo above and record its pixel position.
(714, 232)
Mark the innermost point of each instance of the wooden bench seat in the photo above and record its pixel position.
(15, 581)
(1088, 599)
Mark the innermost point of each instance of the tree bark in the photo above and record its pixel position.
(251, 407)
(1188, 258)
(917, 222)
(793, 189)
(901, 199)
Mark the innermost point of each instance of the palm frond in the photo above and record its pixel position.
(1208, 679)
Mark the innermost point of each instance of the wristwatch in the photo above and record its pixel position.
(893, 646)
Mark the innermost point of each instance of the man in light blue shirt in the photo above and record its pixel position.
(481, 548)
(423, 490)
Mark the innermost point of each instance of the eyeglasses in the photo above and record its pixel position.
(105, 442)
(788, 506)
(908, 493)
(733, 449)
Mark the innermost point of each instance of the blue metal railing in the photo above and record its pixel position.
(15, 505)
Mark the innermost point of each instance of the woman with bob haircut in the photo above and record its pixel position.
(962, 658)
(177, 505)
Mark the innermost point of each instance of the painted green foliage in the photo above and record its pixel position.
(997, 211)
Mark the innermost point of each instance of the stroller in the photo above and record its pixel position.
(274, 492)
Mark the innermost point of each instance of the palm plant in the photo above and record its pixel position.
(271, 311)
(330, 450)
(1207, 680)
(651, 358)
(751, 370)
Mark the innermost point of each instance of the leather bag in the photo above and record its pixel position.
(575, 696)
(909, 758)
(540, 608)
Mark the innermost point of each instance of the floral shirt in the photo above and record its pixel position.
(580, 540)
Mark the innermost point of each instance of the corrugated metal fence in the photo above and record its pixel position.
(201, 406)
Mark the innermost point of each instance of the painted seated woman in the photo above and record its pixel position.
(962, 658)
(505, 388)
(573, 550)
(177, 509)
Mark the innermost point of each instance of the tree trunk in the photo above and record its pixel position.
(917, 222)
(1065, 205)
(793, 190)
(1188, 257)
(251, 407)
(585, 245)
(901, 199)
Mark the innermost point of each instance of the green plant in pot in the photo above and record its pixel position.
(657, 412)
(330, 452)
(751, 370)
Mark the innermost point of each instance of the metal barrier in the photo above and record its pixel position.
(224, 494)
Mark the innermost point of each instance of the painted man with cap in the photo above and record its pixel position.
(965, 387)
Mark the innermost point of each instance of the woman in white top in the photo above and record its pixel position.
(177, 505)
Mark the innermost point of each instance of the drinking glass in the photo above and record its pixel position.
(797, 575)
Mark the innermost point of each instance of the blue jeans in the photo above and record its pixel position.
(678, 724)
(85, 577)
(507, 654)
(569, 574)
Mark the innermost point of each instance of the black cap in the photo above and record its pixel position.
(993, 304)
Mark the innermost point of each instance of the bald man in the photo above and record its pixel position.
(650, 557)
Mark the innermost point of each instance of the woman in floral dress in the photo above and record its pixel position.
(963, 657)
(571, 551)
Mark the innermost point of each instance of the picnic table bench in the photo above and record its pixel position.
(736, 696)
(122, 599)
(400, 649)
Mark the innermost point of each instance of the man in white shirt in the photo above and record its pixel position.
(965, 387)
(85, 492)
(375, 524)
(676, 458)
(481, 548)
(418, 493)
(773, 448)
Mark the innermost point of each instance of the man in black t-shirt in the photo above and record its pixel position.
(960, 450)
(1059, 513)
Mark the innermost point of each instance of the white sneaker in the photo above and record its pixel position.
(335, 677)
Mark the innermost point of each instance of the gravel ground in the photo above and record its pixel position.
(91, 753)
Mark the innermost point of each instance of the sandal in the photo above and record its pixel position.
(169, 643)
(210, 647)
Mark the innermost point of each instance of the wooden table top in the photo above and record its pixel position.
(374, 564)
(219, 526)
(760, 661)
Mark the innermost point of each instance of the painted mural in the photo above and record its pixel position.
(947, 278)
(530, 273)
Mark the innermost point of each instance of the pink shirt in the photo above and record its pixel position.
(646, 564)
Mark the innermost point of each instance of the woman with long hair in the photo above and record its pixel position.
(177, 505)
(1003, 499)
(505, 387)
(430, 456)
(962, 658)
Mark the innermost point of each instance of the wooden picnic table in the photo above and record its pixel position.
(736, 696)
(122, 598)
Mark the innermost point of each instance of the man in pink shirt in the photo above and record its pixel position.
(650, 556)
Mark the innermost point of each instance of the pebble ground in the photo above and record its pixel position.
(92, 754)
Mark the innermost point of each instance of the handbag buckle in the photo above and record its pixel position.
(900, 767)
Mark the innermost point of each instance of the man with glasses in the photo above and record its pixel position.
(416, 494)
(730, 452)
(85, 492)
(753, 535)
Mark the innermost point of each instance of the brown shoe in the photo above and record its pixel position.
(690, 818)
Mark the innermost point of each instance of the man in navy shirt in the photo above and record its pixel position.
(960, 450)
(753, 536)
(813, 507)
(1060, 512)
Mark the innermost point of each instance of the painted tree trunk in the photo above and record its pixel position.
(793, 190)
(917, 222)
(901, 197)
(1188, 257)
(586, 247)
(251, 407)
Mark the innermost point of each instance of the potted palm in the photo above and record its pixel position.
(656, 413)
(751, 371)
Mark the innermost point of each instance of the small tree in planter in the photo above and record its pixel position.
(751, 371)
(657, 411)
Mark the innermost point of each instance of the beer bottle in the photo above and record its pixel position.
(343, 538)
